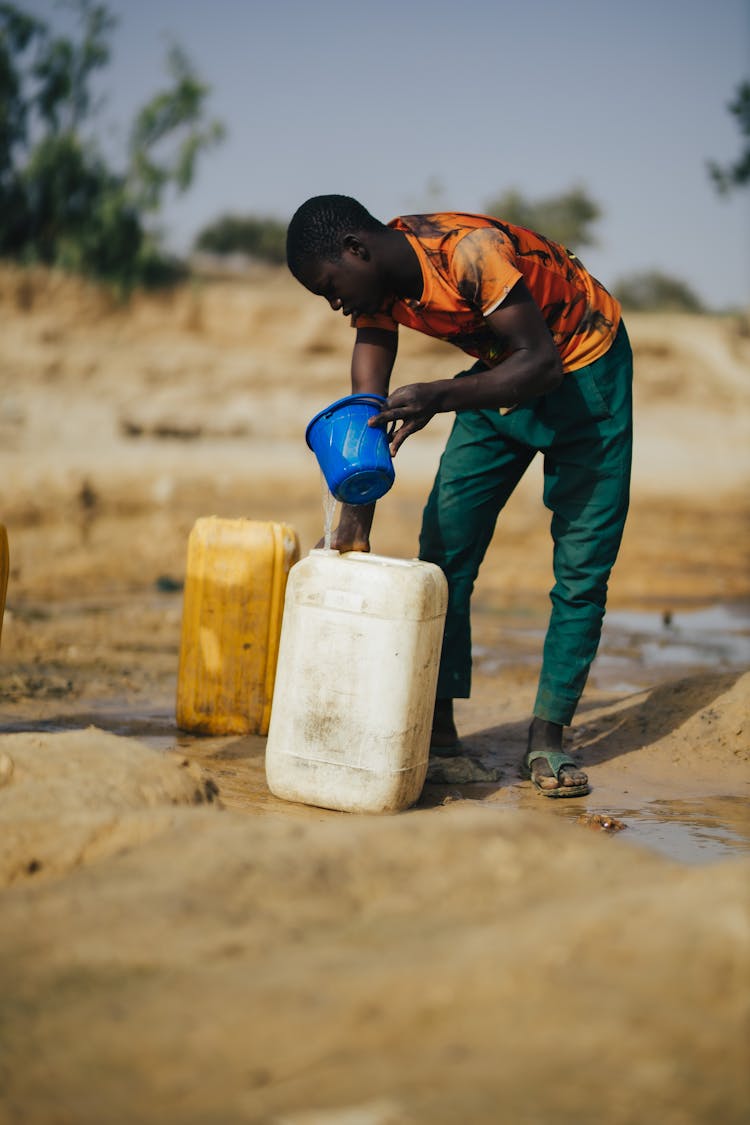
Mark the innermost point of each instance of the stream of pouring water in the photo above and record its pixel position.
(329, 510)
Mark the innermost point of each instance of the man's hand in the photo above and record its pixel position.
(413, 406)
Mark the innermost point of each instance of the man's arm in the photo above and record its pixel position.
(372, 362)
(532, 368)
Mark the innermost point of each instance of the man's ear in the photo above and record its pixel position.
(356, 246)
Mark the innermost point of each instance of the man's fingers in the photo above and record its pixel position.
(399, 436)
(411, 417)
(380, 421)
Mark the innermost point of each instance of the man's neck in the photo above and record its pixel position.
(402, 264)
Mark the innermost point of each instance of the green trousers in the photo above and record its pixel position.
(584, 431)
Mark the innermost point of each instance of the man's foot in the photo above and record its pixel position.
(444, 740)
(552, 771)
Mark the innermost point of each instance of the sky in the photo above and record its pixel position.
(413, 105)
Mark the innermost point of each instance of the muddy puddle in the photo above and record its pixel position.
(697, 830)
(638, 650)
(692, 831)
(638, 647)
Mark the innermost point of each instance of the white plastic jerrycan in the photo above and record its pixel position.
(355, 682)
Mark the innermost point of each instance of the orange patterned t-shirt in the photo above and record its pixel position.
(469, 265)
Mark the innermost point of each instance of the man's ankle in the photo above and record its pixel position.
(545, 735)
(444, 734)
(444, 708)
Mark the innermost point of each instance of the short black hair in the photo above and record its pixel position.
(317, 230)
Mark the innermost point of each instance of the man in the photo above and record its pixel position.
(553, 375)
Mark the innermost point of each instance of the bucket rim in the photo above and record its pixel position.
(347, 400)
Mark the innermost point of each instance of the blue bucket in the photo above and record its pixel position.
(354, 457)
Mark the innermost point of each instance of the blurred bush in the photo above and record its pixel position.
(260, 238)
(565, 218)
(652, 291)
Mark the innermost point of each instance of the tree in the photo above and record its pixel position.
(245, 234)
(652, 291)
(60, 201)
(737, 174)
(565, 218)
(168, 134)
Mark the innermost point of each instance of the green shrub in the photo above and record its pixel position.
(257, 237)
(652, 291)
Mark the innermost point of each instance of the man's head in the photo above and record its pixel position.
(329, 246)
(320, 226)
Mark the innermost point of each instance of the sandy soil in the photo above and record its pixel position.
(177, 945)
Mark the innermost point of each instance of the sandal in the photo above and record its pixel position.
(555, 759)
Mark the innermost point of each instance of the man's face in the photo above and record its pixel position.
(351, 284)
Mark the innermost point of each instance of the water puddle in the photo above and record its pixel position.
(639, 650)
(696, 831)
(639, 646)
(692, 831)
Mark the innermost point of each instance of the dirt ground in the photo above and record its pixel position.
(177, 946)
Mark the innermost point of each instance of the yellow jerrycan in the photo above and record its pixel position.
(356, 679)
(4, 569)
(231, 621)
